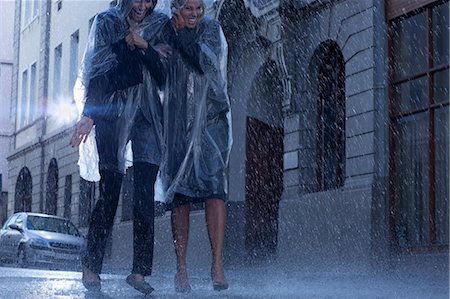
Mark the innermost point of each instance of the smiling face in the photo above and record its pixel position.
(192, 12)
(140, 9)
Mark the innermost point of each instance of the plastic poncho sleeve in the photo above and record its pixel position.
(126, 73)
(153, 63)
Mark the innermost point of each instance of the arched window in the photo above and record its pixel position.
(264, 162)
(51, 196)
(22, 198)
(329, 76)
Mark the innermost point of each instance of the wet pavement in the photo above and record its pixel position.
(256, 282)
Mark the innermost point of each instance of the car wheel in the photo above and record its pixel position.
(22, 261)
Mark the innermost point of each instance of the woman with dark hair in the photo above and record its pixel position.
(197, 126)
(117, 91)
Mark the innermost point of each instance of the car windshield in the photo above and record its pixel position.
(50, 224)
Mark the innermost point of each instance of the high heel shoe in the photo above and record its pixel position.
(218, 285)
(181, 286)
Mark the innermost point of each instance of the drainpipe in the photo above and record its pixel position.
(380, 203)
(14, 93)
(44, 59)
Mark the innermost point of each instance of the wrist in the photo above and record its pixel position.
(85, 115)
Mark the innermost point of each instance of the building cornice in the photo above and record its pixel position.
(40, 142)
(4, 61)
(6, 134)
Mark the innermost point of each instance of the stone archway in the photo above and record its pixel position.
(258, 89)
(22, 197)
(264, 162)
(51, 195)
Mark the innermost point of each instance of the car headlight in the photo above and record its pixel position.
(39, 244)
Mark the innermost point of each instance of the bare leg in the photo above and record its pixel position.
(180, 233)
(215, 221)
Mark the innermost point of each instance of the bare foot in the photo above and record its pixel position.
(138, 277)
(182, 282)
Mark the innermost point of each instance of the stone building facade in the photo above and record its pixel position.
(6, 125)
(325, 166)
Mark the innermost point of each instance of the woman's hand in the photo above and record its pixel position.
(164, 50)
(134, 39)
(178, 21)
(82, 130)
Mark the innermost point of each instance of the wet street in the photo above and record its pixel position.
(254, 282)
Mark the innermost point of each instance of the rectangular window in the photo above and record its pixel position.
(33, 93)
(30, 10)
(68, 197)
(441, 120)
(23, 111)
(74, 46)
(35, 8)
(397, 8)
(419, 95)
(28, 5)
(57, 74)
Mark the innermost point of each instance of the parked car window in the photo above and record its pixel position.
(56, 225)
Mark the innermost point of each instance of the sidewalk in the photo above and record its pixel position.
(251, 282)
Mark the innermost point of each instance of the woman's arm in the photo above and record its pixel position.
(183, 40)
(152, 61)
(147, 54)
(201, 47)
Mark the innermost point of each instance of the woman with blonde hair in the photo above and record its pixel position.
(197, 126)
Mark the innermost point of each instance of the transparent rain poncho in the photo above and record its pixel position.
(197, 119)
(108, 28)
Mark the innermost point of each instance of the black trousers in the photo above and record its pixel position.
(144, 217)
(102, 217)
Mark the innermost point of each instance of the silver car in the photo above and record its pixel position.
(34, 239)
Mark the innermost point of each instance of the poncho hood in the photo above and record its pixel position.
(125, 6)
